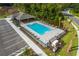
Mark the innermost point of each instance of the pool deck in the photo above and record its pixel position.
(52, 35)
(38, 50)
(46, 36)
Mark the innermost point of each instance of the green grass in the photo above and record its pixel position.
(66, 39)
(76, 24)
(28, 52)
(70, 35)
(74, 13)
(48, 52)
(2, 16)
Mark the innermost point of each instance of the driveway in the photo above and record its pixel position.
(74, 19)
(71, 16)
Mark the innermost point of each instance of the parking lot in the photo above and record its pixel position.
(10, 41)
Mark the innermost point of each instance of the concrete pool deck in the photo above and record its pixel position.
(48, 35)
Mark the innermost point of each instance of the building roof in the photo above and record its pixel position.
(22, 16)
(10, 41)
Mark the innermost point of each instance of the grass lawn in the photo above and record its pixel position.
(28, 52)
(76, 24)
(2, 16)
(70, 35)
(66, 39)
(74, 13)
(48, 52)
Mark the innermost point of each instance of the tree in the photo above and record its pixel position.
(49, 12)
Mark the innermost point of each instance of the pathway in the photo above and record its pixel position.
(78, 37)
(77, 21)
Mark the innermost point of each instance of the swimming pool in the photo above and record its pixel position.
(39, 28)
(42, 32)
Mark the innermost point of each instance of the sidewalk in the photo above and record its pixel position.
(27, 40)
(77, 34)
(77, 17)
(78, 43)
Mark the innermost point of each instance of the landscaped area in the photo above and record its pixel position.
(76, 24)
(70, 35)
(66, 39)
(28, 52)
(47, 27)
(3, 14)
(74, 12)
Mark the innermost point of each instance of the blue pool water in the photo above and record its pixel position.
(39, 28)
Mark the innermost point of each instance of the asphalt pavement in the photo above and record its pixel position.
(10, 41)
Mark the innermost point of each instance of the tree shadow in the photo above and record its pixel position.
(74, 48)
